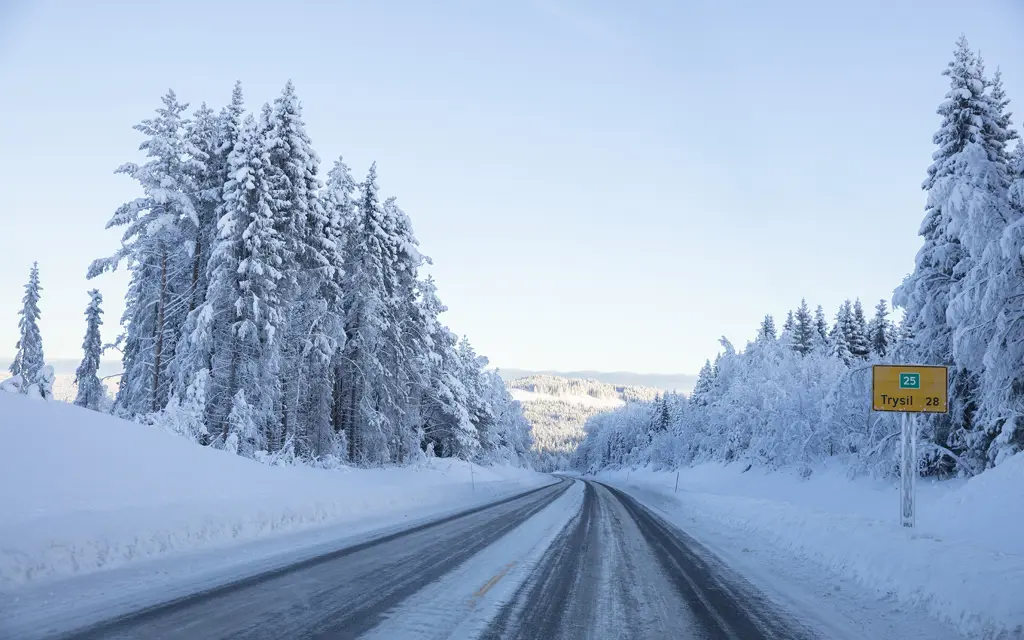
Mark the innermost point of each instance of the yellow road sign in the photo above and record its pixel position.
(909, 388)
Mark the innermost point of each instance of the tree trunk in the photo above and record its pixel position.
(232, 388)
(159, 330)
(339, 402)
(193, 303)
(350, 419)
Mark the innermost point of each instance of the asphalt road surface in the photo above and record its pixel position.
(614, 571)
(618, 571)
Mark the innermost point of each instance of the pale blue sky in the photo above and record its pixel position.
(602, 185)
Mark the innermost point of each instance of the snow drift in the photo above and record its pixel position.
(86, 491)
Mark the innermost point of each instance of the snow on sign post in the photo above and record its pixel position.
(909, 389)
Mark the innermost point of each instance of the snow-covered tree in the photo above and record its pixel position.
(366, 393)
(1002, 406)
(310, 264)
(212, 138)
(156, 248)
(857, 332)
(702, 387)
(820, 328)
(29, 363)
(838, 337)
(804, 331)
(949, 301)
(185, 415)
(91, 394)
(880, 330)
(259, 317)
(789, 324)
(280, 318)
(767, 332)
(244, 428)
(446, 424)
(206, 342)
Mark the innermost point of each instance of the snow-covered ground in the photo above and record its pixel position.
(522, 395)
(82, 492)
(963, 564)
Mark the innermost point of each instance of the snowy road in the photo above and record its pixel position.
(577, 559)
(619, 571)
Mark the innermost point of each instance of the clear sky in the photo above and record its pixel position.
(602, 185)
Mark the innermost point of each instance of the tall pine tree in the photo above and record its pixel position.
(880, 330)
(29, 363)
(91, 393)
(311, 262)
(857, 332)
(820, 328)
(158, 226)
(804, 331)
(767, 331)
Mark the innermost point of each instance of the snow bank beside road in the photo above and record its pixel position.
(81, 491)
(963, 563)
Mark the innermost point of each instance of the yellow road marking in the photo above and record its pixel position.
(482, 591)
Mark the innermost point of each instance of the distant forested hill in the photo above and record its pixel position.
(557, 408)
(680, 383)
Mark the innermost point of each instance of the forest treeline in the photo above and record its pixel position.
(273, 314)
(802, 395)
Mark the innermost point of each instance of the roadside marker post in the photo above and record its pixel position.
(909, 389)
(676, 490)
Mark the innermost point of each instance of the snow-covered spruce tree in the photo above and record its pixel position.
(156, 248)
(243, 428)
(309, 285)
(857, 336)
(447, 429)
(838, 337)
(509, 437)
(880, 330)
(498, 419)
(979, 206)
(366, 394)
(790, 323)
(407, 346)
(945, 292)
(29, 364)
(207, 343)
(202, 133)
(91, 393)
(237, 327)
(481, 413)
(820, 329)
(705, 379)
(259, 316)
(1000, 418)
(767, 332)
(803, 334)
(340, 205)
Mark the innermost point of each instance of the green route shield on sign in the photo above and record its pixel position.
(910, 380)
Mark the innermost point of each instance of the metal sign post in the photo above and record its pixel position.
(908, 468)
(909, 390)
